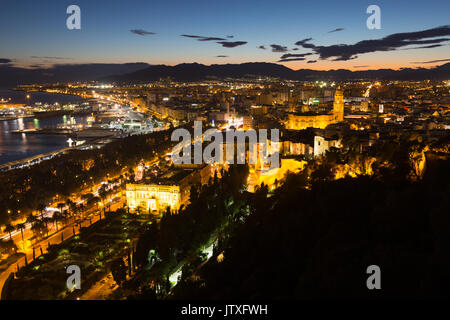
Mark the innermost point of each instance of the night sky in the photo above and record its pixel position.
(232, 31)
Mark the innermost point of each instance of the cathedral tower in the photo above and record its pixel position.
(338, 105)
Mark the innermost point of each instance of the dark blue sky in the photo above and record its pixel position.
(32, 30)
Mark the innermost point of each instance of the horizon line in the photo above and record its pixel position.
(353, 69)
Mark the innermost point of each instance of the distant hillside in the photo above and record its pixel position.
(130, 72)
(195, 71)
(10, 75)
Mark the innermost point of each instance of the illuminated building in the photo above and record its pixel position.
(172, 112)
(139, 175)
(303, 121)
(247, 122)
(272, 177)
(10, 105)
(171, 189)
(153, 197)
(258, 110)
(90, 120)
(295, 148)
(272, 98)
(321, 145)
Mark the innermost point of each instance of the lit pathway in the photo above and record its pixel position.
(55, 238)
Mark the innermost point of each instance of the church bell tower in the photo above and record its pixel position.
(338, 105)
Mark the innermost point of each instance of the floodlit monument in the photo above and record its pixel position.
(301, 121)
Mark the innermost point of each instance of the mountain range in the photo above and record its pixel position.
(136, 72)
(11, 75)
(195, 71)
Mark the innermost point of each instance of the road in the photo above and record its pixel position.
(55, 238)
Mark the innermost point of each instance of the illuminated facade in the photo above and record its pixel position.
(322, 145)
(301, 121)
(272, 177)
(139, 175)
(171, 189)
(295, 148)
(153, 197)
(247, 122)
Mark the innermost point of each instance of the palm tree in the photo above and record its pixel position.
(38, 227)
(21, 227)
(60, 206)
(77, 209)
(46, 220)
(57, 216)
(31, 219)
(64, 216)
(9, 228)
(86, 197)
(41, 208)
(102, 193)
(96, 200)
(70, 204)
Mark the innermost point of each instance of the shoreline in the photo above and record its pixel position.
(15, 118)
(48, 114)
(80, 97)
(40, 91)
(45, 114)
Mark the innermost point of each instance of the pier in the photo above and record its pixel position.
(31, 160)
(45, 131)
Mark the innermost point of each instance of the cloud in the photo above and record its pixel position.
(210, 39)
(141, 32)
(221, 56)
(191, 36)
(50, 58)
(296, 55)
(262, 47)
(361, 66)
(311, 61)
(425, 47)
(222, 41)
(230, 37)
(278, 48)
(4, 60)
(303, 42)
(344, 58)
(432, 61)
(344, 52)
(232, 44)
(293, 59)
(336, 30)
(202, 38)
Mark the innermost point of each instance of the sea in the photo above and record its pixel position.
(18, 146)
